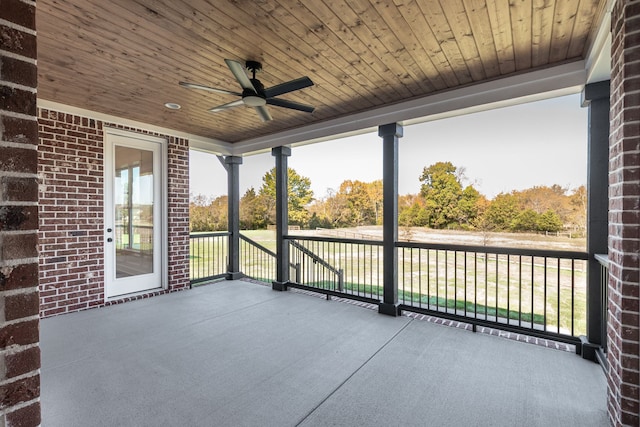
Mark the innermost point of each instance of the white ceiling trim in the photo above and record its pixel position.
(196, 142)
(598, 59)
(527, 87)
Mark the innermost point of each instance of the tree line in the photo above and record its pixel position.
(444, 202)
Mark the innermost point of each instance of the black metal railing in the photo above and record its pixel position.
(538, 292)
(208, 255)
(256, 261)
(312, 270)
(603, 259)
(336, 266)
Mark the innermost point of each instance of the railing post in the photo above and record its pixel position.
(596, 97)
(282, 217)
(390, 135)
(232, 164)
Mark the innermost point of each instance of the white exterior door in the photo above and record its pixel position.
(134, 220)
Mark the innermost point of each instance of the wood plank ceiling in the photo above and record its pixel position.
(126, 57)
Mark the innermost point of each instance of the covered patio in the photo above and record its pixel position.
(234, 353)
(96, 95)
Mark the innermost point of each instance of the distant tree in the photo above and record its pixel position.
(318, 222)
(414, 214)
(374, 191)
(205, 215)
(504, 208)
(469, 206)
(253, 213)
(549, 221)
(442, 191)
(447, 203)
(300, 195)
(526, 220)
(578, 203)
(361, 210)
(333, 209)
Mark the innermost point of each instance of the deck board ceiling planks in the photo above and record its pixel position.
(126, 57)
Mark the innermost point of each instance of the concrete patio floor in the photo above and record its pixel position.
(239, 354)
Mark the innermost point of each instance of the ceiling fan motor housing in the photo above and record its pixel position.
(254, 93)
(257, 98)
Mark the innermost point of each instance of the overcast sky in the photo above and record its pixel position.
(514, 148)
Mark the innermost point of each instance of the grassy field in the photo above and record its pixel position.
(549, 292)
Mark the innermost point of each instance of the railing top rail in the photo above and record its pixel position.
(335, 240)
(214, 234)
(603, 259)
(257, 245)
(496, 250)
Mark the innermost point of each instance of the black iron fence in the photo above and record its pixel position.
(337, 266)
(539, 292)
(208, 255)
(256, 261)
(603, 260)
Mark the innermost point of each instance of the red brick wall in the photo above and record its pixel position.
(624, 216)
(178, 204)
(72, 212)
(19, 324)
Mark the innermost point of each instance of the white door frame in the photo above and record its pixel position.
(113, 136)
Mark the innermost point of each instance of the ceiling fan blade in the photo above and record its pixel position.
(290, 104)
(226, 106)
(238, 72)
(283, 88)
(263, 113)
(207, 88)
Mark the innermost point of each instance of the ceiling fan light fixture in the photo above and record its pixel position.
(254, 101)
(254, 94)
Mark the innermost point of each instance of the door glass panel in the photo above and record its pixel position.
(133, 196)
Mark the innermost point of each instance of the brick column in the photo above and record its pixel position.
(178, 214)
(19, 303)
(624, 216)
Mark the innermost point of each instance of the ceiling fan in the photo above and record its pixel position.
(254, 93)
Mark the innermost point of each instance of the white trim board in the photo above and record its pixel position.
(537, 85)
(195, 141)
